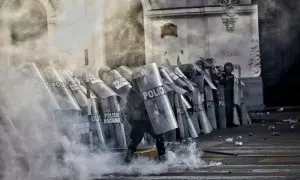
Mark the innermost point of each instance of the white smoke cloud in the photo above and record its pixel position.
(78, 21)
(31, 147)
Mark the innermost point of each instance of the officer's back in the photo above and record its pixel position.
(136, 107)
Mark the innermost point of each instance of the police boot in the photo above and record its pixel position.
(131, 150)
(162, 157)
(129, 156)
(161, 150)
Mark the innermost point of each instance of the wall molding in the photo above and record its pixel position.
(197, 11)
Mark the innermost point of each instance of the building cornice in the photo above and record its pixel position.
(197, 11)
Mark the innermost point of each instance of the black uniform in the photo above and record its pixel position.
(138, 118)
(227, 79)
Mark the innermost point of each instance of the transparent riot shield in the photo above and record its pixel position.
(111, 111)
(156, 101)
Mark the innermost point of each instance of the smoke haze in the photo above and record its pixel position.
(31, 147)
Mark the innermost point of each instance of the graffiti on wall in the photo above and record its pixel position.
(254, 61)
(229, 53)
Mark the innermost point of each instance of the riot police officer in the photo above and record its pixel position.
(138, 117)
(227, 79)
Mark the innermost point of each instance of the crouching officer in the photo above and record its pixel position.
(137, 116)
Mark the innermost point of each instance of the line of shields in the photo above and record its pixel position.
(183, 101)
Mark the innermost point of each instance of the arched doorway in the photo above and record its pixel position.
(24, 30)
(28, 22)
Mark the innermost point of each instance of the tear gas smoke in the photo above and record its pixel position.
(124, 32)
(30, 146)
(278, 37)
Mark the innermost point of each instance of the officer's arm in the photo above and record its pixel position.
(223, 79)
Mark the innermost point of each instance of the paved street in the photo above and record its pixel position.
(266, 153)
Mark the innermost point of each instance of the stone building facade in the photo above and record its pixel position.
(209, 29)
(68, 28)
(137, 32)
(224, 30)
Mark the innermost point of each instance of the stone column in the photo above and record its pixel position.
(4, 43)
(148, 32)
(254, 62)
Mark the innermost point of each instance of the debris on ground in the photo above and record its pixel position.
(291, 121)
(272, 127)
(280, 109)
(214, 164)
(238, 143)
(276, 134)
(229, 140)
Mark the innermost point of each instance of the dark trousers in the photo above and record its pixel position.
(139, 128)
(229, 115)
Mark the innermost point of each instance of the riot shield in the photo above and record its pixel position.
(125, 72)
(188, 128)
(199, 114)
(156, 101)
(127, 125)
(183, 81)
(210, 105)
(185, 103)
(117, 82)
(197, 96)
(100, 88)
(96, 133)
(31, 71)
(74, 87)
(111, 111)
(29, 74)
(237, 92)
(185, 124)
(171, 93)
(237, 102)
(221, 107)
(122, 87)
(186, 72)
(190, 125)
(236, 119)
(190, 71)
(182, 126)
(170, 136)
(119, 127)
(70, 116)
(237, 95)
(171, 84)
(244, 113)
(60, 90)
(96, 120)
